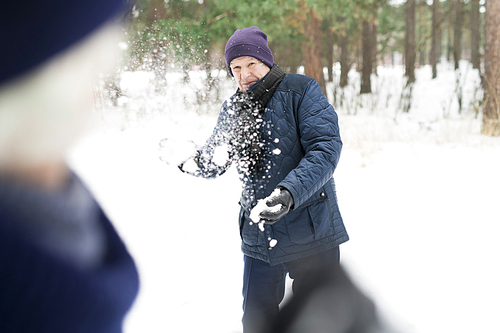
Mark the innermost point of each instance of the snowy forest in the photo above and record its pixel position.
(416, 85)
(319, 36)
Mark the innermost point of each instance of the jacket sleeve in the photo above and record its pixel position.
(209, 165)
(318, 128)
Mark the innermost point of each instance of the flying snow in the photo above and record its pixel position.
(175, 151)
(221, 155)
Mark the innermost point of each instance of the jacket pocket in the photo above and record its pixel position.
(299, 225)
(249, 231)
(322, 219)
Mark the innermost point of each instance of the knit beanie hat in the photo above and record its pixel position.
(32, 31)
(250, 42)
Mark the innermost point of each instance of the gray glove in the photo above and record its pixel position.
(285, 199)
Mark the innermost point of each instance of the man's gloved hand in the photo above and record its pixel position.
(191, 164)
(283, 201)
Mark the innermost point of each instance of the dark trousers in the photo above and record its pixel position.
(264, 285)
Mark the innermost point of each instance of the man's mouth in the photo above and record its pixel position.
(248, 84)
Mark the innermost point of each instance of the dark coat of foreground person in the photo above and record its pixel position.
(63, 267)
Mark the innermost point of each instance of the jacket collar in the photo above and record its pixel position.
(263, 90)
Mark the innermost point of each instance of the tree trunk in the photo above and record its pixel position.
(449, 42)
(287, 54)
(491, 80)
(439, 38)
(475, 35)
(311, 47)
(374, 48)
(367, 58)
(329, 51)
(457, 32)
(410, 41)
(434, 38)
(344, 60)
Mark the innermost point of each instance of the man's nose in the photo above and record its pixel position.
(244, 72)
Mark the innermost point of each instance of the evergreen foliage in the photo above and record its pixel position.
(308, 34)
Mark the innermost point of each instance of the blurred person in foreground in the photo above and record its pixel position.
(63, 267)
(329, 303)
(283, 136)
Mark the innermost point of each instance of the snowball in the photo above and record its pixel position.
(273, 242)
(277, 151)
(261, 205)
(254, 214)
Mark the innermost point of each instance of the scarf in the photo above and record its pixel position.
(246, 140)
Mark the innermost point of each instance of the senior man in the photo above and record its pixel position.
(283, 136)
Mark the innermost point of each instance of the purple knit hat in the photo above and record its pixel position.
(250, 42)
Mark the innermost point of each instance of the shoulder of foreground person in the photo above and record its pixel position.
(41, 292)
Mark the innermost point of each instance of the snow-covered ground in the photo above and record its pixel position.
(419, 193)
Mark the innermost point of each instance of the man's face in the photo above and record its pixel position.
(247, 71)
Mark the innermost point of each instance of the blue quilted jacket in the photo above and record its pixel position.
(302, 148)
